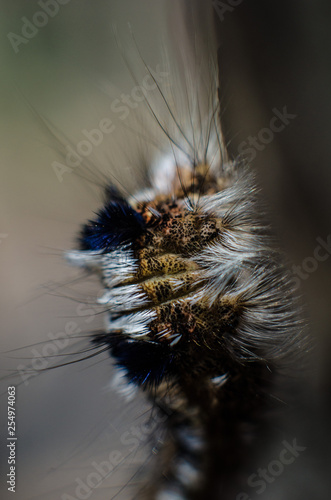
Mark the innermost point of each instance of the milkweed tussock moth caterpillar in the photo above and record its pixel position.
(201, 311)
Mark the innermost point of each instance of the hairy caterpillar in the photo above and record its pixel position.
(234, 215)
(201, 311)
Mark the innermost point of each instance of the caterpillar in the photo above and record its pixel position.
(201, 313)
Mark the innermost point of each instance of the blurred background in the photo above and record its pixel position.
(55, 84)
(276, 56)
(52, 87)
